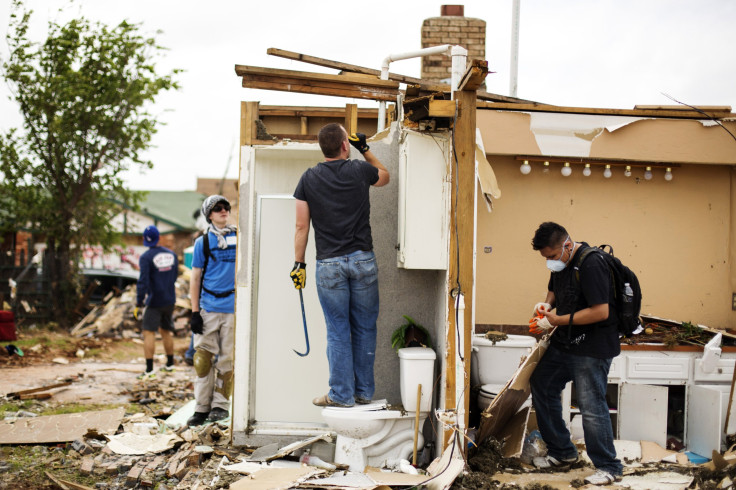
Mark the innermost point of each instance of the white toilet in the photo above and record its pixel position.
(493, 364)
(369, 435)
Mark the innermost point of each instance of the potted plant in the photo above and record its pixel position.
(410, 334)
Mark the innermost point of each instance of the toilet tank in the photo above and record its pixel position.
(416, 366)
(497, 363)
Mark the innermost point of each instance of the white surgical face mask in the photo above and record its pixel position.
(558, 265)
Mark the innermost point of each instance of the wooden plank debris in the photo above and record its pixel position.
(536, 107)
(21, 394)
(426, 86)
(354, 86)
(474, 76)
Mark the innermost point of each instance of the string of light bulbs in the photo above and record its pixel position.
(567, 169)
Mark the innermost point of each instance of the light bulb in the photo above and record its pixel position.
(648, 173)
(525, 167)
(627, 172)
(546, 168)
(566, 170)
(586, 170)
(668, 174)
(607, 172)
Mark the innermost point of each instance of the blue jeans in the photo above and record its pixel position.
(590, 376)
(347, 287)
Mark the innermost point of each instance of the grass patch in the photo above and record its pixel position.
(79, 408)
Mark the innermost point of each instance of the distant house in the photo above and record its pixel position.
(174, 213)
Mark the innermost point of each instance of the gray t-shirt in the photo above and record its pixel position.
(337, 193)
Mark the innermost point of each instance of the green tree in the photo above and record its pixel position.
(85, 97)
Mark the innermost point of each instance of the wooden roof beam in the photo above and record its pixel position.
(353, 86)
(671, 113)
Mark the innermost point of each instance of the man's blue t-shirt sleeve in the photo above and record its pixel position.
(143, 280)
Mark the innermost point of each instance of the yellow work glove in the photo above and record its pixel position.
(299, 275)
(136, 313)
(358, 141)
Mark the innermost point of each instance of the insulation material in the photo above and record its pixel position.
(60, 428)
(484, 172)
(572, 135)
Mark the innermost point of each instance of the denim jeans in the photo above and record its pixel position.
(590, 376)
(347, 287)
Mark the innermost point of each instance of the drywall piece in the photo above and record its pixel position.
(273, 451)
(484, 171)
(651, 452)
(129, 443)
(661, 480)
(511, 397)
(348, 481)
(395, 479)
(572, 134)
(513, 433)
(60, 428)
(275, 478)
(444, 470)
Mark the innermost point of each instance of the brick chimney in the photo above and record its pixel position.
(452, 27)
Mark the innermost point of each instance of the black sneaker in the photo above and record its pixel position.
(198, 418)
(217, 414)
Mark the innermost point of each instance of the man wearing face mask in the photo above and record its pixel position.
(581, 350)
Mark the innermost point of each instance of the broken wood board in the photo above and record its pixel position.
(344, 481)
(60, 428)
(20, 394)
(511, 397)
(276, 478)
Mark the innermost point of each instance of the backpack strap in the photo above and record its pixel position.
(207, 255)
(578, 264)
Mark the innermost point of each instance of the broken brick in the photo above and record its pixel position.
(87, 466)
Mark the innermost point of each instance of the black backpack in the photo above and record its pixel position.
(628, 306)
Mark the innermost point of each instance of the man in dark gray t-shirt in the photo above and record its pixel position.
(334, 197)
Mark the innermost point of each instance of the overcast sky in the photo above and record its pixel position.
(588, 53)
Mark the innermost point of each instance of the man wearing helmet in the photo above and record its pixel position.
(212, 291)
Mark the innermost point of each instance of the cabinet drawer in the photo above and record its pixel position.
(667, 370)
(723, 371)
(617, 369)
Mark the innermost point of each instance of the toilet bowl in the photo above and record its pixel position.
(370, 435)
(494, 363)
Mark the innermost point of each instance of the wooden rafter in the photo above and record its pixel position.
(663, 112)
(353, 86)
(425, 85)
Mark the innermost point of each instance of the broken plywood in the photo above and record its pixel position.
(60, 428)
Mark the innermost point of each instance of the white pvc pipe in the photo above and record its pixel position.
(459, 57)
(514, 71)
(460, 363)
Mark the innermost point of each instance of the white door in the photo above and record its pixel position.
(642, 413)
(285, 383)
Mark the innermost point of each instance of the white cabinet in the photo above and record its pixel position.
(642, 413)
(424, 197)
(706, 408)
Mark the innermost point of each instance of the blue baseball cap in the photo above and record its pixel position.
(150, 236)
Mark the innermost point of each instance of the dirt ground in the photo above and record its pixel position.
(101, 371)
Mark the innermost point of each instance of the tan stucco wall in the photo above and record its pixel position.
(674, 235)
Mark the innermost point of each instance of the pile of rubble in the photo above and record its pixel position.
(114, 315)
